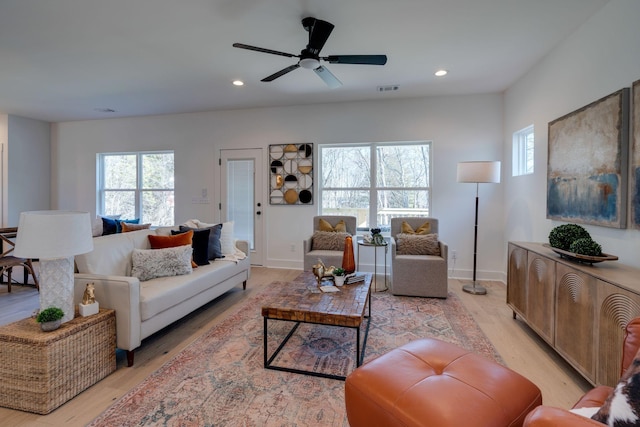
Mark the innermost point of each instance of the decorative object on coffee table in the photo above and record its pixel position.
(477, 172)
(348, 260)
(338, 276)
(55, 237)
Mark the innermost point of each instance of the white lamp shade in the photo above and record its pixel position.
(53, 234)
(479, 172)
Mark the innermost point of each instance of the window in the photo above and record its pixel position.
(375, 182)
(523, 151)
(137, 185)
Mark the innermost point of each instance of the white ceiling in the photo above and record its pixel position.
(60, 60)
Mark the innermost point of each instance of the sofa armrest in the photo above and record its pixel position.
(243, 245)
(306, 245)
(444, 251)
(547, 416)
(120, 293)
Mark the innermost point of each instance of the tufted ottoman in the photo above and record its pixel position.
(433, 383)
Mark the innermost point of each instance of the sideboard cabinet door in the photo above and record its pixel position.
(575, 324)
(517, 280)
(541, 295)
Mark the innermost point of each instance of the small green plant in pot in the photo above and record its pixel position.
(49, 318)
(338, 276)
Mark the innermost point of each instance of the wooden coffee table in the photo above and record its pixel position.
(301, 301)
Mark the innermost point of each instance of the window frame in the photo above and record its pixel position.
(523, 152)
(139, 191)
(373, 187)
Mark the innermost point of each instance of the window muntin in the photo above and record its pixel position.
(523, 151)
(137, 185)
(397, 176)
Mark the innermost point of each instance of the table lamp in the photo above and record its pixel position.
(477, 172)
(54, 237)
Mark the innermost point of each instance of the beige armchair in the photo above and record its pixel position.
(412, 272)
(328, 256)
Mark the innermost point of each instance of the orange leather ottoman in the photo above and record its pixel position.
(429, 382)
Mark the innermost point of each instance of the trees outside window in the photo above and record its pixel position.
(376, 181)
(137, 185)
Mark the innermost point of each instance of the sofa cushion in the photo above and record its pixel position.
(112, 226)
(151, 263)
(161, 242)
(416, 244)
(227, 241)
(328, 241)
(199, 243)
(127, 227)
(111, 255)
(214, 248)
(622, 407)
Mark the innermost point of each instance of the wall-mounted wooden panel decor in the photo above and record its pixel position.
(635, 157)
(587, 170)
(291, 174)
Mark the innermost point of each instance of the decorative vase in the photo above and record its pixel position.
(378, 240)
(348, 260)
(50, 326)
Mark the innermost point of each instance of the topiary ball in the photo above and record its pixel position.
(586, 246)
(563, 236)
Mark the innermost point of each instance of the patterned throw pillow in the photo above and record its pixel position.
(622, 407)
(423, 229)
(328, 241)
(151, 263)
(324, 225)
(417, 244)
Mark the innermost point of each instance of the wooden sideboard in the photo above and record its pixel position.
(579, 309)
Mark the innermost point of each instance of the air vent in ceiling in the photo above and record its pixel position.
(389, 88)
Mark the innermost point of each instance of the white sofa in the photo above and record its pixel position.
(143, 308)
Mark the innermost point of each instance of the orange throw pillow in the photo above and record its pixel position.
(162, 242)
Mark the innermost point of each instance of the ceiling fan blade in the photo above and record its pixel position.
(263, 50)
(280, 73)
(318, 34)
(326, 75)
(357, 59)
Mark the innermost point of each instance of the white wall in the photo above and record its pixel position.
(601, 57)
(27, 167)
(461, 128)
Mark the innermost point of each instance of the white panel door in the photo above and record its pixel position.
(241, 197)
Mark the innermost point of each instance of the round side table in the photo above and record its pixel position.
(363, 244)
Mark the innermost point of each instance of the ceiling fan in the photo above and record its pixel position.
(310, 58)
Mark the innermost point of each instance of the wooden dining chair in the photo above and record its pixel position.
(7, 262)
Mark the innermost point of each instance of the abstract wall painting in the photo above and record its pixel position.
(291, 174)
(587, 169)
(635, 157)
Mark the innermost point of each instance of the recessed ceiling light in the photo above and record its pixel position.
(238, 83)
(441, 73)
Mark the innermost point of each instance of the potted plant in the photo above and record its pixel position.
(338, 276)
(50, 318)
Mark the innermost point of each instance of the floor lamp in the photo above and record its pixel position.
(477, 172)
(54, 237)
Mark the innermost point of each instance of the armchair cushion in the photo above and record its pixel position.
(416, 244)
(423, 229)
(324, 225)
(328, 241)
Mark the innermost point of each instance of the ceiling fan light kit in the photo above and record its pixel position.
(310, 58)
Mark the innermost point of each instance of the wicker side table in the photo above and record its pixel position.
(40, 371)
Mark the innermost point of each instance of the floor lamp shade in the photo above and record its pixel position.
(477, 173)
(54, 237)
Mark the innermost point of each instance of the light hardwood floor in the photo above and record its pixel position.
(521, 349)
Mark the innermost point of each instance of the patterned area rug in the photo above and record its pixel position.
(219, 380)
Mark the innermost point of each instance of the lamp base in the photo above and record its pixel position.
(474, 289)
(56, 285)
